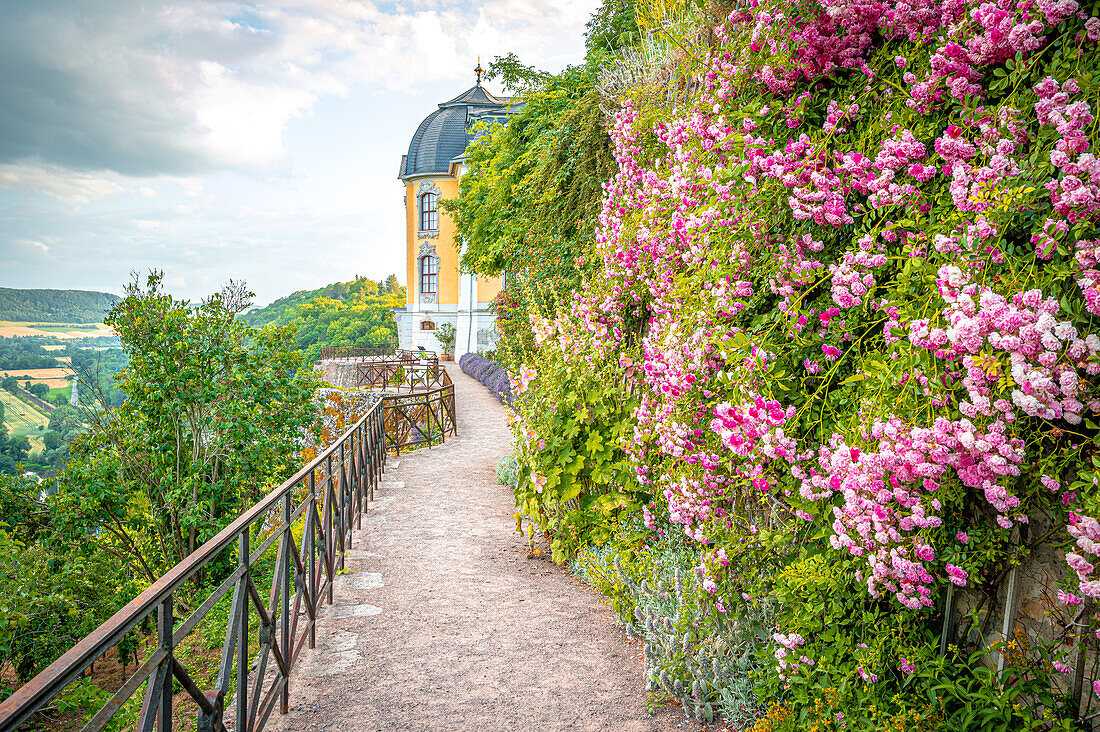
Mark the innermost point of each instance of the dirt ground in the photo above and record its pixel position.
(444, 623)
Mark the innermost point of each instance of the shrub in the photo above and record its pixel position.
(845, 337)
(508, 471)
(489, 373)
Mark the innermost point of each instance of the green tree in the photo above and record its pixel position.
(10, 383)
(211, 420)
(18, 447)
(392, 286)
(40, 390)
(529, 204)
(52, 440)
(445, 334)
(52, 592)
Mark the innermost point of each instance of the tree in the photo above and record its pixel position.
(19, 447)
(392, 286)
(445, 334)
(211, 420)
(10, 383)
(52, 440)
(40, 390)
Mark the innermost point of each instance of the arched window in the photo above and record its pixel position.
(429, 212)
(429, 275)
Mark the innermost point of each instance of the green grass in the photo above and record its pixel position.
(67, 392)
(23, 418)
(55, 328)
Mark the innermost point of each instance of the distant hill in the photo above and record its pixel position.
(54, 306)
(282, 311)
(353, 313)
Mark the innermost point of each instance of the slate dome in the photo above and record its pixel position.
(445, 133)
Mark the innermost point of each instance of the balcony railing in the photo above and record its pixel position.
(422, 411)
(325, 500)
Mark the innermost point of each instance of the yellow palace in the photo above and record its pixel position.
(437, 292)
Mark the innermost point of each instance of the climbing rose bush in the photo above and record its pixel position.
(848, 303)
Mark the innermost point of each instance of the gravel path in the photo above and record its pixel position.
(443, 622)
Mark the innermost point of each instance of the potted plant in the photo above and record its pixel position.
(445, 334)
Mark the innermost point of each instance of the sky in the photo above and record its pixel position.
(217, 140)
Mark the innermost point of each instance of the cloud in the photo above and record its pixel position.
(145, 89)
(63, 185)
(33, 244)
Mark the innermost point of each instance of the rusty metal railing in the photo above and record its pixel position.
(421, 419)
(422, 412)
(327, 499)
(377, 353)
(401, 376)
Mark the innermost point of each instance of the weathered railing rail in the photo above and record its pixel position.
(381, 352)
(370, 350)
(326, 500)
(422, 412)
(401, 376)
(420, 419)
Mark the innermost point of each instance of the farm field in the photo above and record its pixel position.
(21, 418)
(10, 329)
(53, 378)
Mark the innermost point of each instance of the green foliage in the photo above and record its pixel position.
(54, 306)
(210, 423)
(85, 697)
(352, 313)
(52, 591)
(528, 203)
(702, 658)
(445, 334)
(508, 471)
(575, 481)
(24, 353)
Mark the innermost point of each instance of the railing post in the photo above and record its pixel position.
(330, 543)
(242, 637)
(311, 581)
(342, 523)
(165, 626)
(359, 486)
(284, 634)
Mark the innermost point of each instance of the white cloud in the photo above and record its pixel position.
(63, 185)
(188, 87)
(33, 244)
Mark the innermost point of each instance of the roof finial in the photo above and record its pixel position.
(479, 71)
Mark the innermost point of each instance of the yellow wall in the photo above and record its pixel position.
(487, 288)
(444, 243)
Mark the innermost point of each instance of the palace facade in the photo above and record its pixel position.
(437, 292)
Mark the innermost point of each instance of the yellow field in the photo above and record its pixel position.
(19, 416)
(54, 378)
(11, 328)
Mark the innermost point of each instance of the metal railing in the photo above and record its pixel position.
(424, 415)
(401, 376)
(421, 419)
(377, 353)
(327, 499)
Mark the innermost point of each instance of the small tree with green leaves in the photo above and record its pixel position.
(212, 416)
(445, 334)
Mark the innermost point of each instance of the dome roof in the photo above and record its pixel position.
(445, 133)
